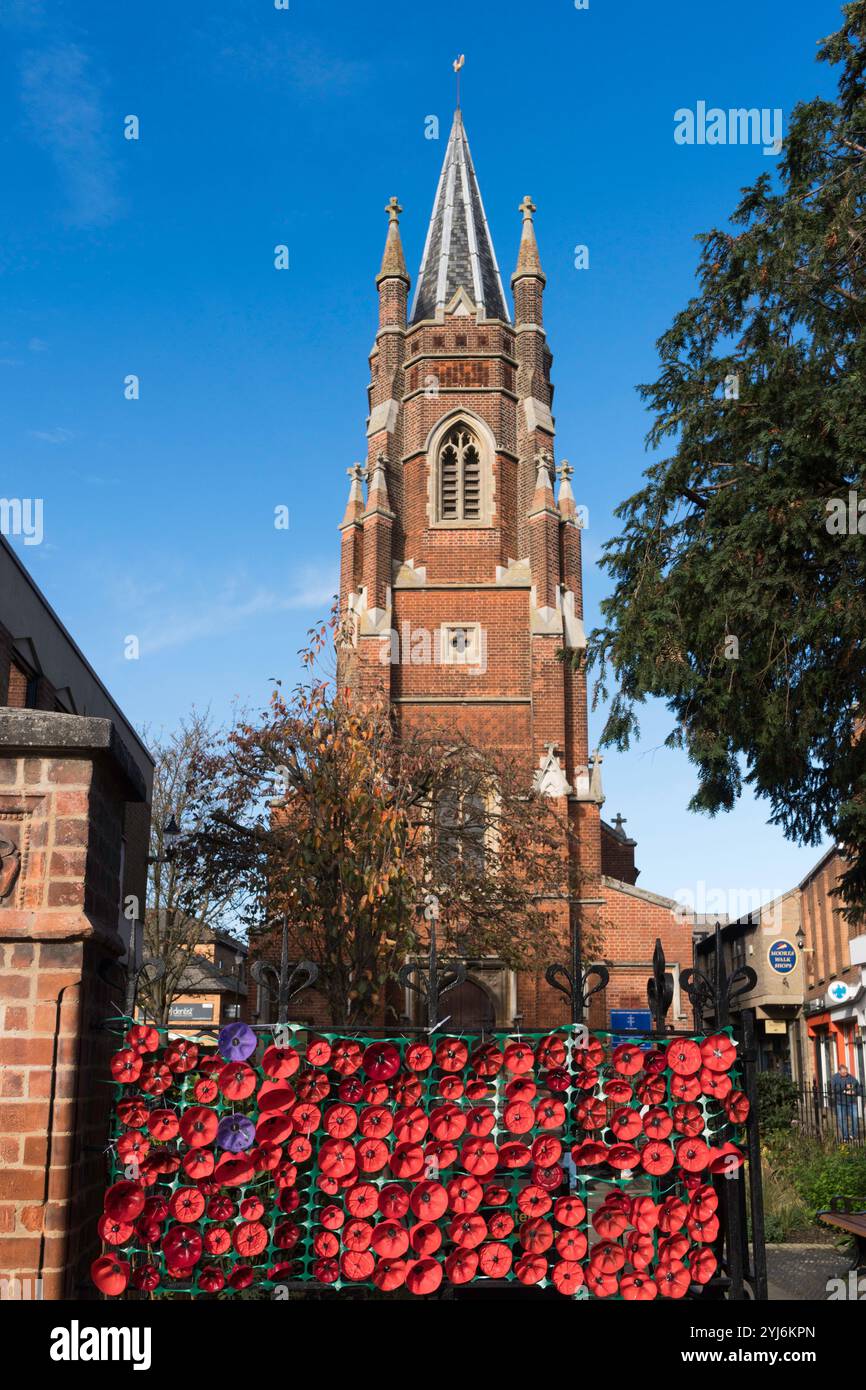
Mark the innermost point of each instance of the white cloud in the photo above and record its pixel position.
(182, 626)
(56, 436)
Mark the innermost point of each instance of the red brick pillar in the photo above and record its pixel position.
(65, 787)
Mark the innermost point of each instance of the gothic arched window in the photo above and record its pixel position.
(459, 476)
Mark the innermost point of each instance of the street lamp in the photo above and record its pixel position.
(800, 939)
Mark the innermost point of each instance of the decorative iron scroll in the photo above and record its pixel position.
(265, 1159)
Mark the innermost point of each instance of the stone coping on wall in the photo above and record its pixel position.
(29, 732)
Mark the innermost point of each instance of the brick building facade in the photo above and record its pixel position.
(461, 579)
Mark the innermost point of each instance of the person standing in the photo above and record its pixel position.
(844, 1090)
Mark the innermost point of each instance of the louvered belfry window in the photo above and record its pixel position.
(460, 476)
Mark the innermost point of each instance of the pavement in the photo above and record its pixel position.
(802, 1272)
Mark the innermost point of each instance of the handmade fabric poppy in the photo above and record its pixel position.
(534, 1201)
(703, 1232)
(372, 1155)
(236, 1042)
(618, 1201)
(145, 1278)
(126, 1065)
(550, 1114)
(478, 1089)
(550, 1051)
(683, 1057)
(389, 1274)
(279, 1063)
(186, 1204)
(651, 1091)
(717, 1084)
(205, 1090)
(495, 1259)
(124, 1201)
(275, 1095)
(496, 1194)
(618, 1090)
(410, 1123)
(672, 1214)
(181, 1056)
(551, 1179)
(570, 1244)
(390, 1239)
(381, 1061)
(644, 1214)
(726, 1159)
(673, 1247)
(313, 1085)
(132, 1112)
(376, 1092)
(514, 1155)
(461, 1266)
(318, 1052)
(428, 1200)
(519, 1117)
(326, 1271)
(623, 1157)
(425, 1238)
(718, 1052)
(407, 1090)
(329, 1186)
(357, 1234)
(237, 1081)
(306, 1117)
(569, 1211)
(487, 1059)
(241, 1277)
(142, 1037)
(609, 1222)
(252, 1208)
(419, 1057)
(337, 1157)
(211, 1279)
(352, 1090)
(332, 1217)
(585, 1079)
(626, 1124)
(655, 1061)
(115, 1232)
(591, 1113)
(376, 1122)
(627, 1059)
(159, 1162)
(287, 1235)
(451, 1086)
(347, 1057)
(704, 1202)
(357, 1265)
(546, 1150)
(688, 1119)
(671, 1278)
(273, 1129)
(340, 1121)
(480, 1156)
(250, 1238)
(469, 1230)
(685, 1087)
(639, 1250)
(536, 1235)
(693, 1155)
(638, 1287)
(198, 1164)
(451, 1054)
(657, 1122)
(606, 1257)
(407, 1160)
(182, 1246)
(198, 1126)
(557, 1079)
(299, 1148)
(155, 1079)
(702, 1265)
(464, 1194)
(519, 1058)
(424, 1276)
(521, 1088)
(235, 1133)
(500, 1225)
(446, 1122)
(592, 1055)
(132, 1147)
(110, 1275)
(217, 1240)
(480, 1121)
(600, 1285)
(233, 1170)
(531, 1269)
(567, 1275)
(589, 1154)
(737, 1107)
(220, 1208)
(362, 1200)
(657, 1157)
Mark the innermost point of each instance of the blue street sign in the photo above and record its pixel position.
(631, 1021)
(782, 957)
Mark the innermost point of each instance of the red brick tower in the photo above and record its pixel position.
(461, 574)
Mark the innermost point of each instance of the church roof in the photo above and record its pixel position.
(458, 252)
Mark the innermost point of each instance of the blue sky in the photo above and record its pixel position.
(261, 126)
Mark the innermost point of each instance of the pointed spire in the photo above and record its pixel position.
(458, 252)
(543, 496)
(528, 259)
(355, 505)
(393, 261)
(377, 492)
(567, 505)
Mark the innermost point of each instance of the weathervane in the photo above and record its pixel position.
(457, 65)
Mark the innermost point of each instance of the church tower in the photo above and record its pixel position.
(462, 565)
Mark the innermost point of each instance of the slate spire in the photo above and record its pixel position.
(458, 252)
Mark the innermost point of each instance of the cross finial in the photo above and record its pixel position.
(356, 472)
(393, 209)
(565, 470)
(527, 207)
